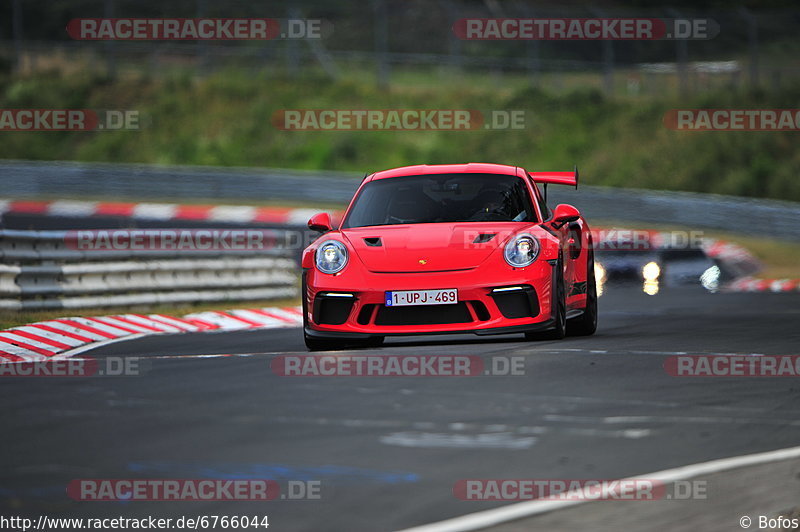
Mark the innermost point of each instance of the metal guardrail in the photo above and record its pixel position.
(21, 179)
(758, 217)
(40, 271)
(103, 180)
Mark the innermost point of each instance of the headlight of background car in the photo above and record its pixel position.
(651, 271)
(331, 256)
(521, 250)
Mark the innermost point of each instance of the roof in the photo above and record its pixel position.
(469, 168)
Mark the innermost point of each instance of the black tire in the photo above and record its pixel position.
(586, 323)
(559, 330)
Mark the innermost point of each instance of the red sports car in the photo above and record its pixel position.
(462, 248)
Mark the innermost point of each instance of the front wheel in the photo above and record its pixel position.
(559, 329)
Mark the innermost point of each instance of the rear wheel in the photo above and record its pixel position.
(559, 309)
(586, 323)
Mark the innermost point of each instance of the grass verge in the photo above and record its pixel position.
(226, 119)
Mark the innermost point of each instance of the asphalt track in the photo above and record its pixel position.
(389, 450)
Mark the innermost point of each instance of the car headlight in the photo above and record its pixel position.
(599, 272)
(331, 256)
(521, 250)
(710, 278)
(651, 271)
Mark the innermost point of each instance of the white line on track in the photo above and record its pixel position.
(639, 352)
(613, 420)
(444, 440)
(461, 427)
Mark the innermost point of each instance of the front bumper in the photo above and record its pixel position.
(352, 304)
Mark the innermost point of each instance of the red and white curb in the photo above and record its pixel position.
(726, 250)
(64, 337)
(163, 211)
(749, 284)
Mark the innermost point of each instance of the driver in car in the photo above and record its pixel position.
(493, 206)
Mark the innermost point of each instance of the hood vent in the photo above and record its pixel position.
(374, 241)
(483, 238)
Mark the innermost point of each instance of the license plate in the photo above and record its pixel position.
(405, 298)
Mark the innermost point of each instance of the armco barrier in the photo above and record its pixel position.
(29, 179)
(40, 271)
(163, 212)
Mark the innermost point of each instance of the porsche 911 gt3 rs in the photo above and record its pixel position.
(463, 248)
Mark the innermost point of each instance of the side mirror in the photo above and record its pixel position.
(320, 222)
(564, 214)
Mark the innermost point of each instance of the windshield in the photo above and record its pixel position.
(442, 198)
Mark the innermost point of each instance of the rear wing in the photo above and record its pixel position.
(556, 178)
